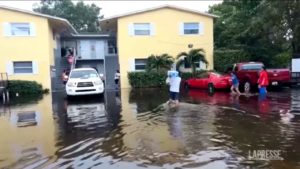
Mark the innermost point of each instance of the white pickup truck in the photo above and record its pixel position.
(84, 81)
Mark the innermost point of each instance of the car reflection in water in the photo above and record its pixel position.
(87, 116)
(271, 103)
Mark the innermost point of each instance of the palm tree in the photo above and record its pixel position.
(159, 62)
(194, 56)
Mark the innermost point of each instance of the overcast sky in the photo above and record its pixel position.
(110, 8)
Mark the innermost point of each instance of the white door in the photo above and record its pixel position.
(85, 49)
(100, 49)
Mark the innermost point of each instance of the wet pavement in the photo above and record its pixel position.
(136, 129)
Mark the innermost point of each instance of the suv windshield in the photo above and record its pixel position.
(83, 74)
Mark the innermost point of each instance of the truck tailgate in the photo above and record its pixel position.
(279, 75)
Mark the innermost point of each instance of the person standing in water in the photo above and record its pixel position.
(235, 84)
(117, 78)
(263, 80)
(174, 88)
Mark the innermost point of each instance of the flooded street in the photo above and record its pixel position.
(136, 129)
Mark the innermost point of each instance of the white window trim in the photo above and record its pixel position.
(14, 118)
(10, 68)
(7, 29)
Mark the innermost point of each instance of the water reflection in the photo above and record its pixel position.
(136, 129)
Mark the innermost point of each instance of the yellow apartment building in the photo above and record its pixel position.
(28, 44)
(164, 29)
(31, 43)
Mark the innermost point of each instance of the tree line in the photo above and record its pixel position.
(261, 30)
(84, 17)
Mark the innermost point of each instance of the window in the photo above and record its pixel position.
(23, 67)
(191, 28)
(141, 28)
(203, 76)
(20, 29)
(26, 119)
(188, 65)
(252, 67)
(140, 64)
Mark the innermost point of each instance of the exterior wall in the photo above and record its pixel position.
(52, 44)
(27, 48)
(165, 40)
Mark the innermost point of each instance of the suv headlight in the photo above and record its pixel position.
(98, 82)
(71, 84)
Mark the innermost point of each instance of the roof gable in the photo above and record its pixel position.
(38, 14)
(161, 7)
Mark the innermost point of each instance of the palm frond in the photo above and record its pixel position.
(159, 61)
(182, 55)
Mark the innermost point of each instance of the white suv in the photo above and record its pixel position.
(84, 81)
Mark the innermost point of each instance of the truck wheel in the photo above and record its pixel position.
(211, 88)
(247, 86)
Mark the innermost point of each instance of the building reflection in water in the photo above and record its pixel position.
(29, 132)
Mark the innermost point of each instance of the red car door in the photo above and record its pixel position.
(205, 80)
(192, 82)
(200, 80)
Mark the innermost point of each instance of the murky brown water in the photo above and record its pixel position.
(134, 129)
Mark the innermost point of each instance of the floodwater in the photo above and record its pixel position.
(135, 129)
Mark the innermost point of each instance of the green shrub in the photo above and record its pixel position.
(282, 60)
(144, 79)
(24, 87)
(224, 58)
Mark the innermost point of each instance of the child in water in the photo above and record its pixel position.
(235, 84)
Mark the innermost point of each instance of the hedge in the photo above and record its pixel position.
(144, 79)
(224, 58)
(25, 87)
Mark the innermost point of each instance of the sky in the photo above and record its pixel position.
(111, 8)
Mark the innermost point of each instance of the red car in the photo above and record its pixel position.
(210, 81)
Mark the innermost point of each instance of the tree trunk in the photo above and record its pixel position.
(193, 69)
